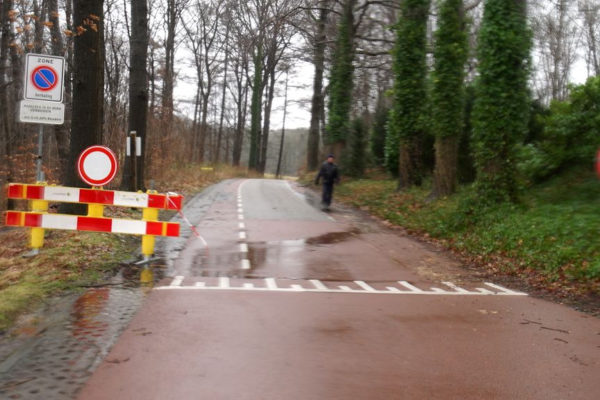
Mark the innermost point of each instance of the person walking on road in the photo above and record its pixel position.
(330, 174)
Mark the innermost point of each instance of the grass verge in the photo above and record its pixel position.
(550, 239)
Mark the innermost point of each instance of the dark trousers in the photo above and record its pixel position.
(327, 193)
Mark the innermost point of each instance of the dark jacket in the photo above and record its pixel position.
(329, 173)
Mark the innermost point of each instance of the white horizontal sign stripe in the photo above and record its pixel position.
(59, 221)
(129, 226)
(57, 193)
(130, 199)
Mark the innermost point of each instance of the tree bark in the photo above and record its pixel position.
(138, 91)
(318, 101)
(88, 76)
(446, 161)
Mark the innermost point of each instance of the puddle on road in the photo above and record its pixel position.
(286, 258)
(52, 355)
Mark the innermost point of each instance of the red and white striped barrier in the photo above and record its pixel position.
(94, 196)
(92, 224)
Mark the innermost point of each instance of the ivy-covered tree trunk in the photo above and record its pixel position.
(341, 82)
(354, 163)
(255, 109)
(406, 126)
(500, 113)
(447, 97)
(378, 131)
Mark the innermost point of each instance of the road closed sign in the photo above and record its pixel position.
(44, 77)
(97, 165)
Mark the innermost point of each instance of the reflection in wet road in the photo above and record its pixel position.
(65, 343)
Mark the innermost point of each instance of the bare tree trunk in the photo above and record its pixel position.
(5, 98)
(318, 103)
(264, 140)
(278, 172)
(138, 91)
(88, 75)
(242, 106)
(223, 98)
(61, 132)
(169, 73)
(39, 10)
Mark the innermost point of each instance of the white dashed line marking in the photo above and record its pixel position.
(245, 263)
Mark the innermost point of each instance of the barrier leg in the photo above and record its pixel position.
(148, 241)
(37, 234)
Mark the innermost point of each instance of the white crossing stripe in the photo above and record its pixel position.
(271, 283)
(410, 287)
(223, 282)
(504, 290)
(245, 263)
(365, 286)
(318, 284)
(177, 281)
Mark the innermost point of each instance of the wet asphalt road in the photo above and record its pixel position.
(288, 302)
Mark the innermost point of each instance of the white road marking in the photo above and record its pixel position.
(410, 287)
(240, 217)
(505, 290)
(271, 283)
(365, 286)
(177, 281)
(245, 263)
(241, 225)
(242, 235)
(224, 283)
(453, 286)
(243, 248)
(318, 284)
(240, 210)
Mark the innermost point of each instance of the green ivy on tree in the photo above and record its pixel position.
(447, 95)
(500, 113)
(341, 80)
(406, 126)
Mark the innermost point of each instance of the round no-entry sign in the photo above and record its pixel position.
(97, 165)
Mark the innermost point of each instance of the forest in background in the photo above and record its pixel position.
(452, 90)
